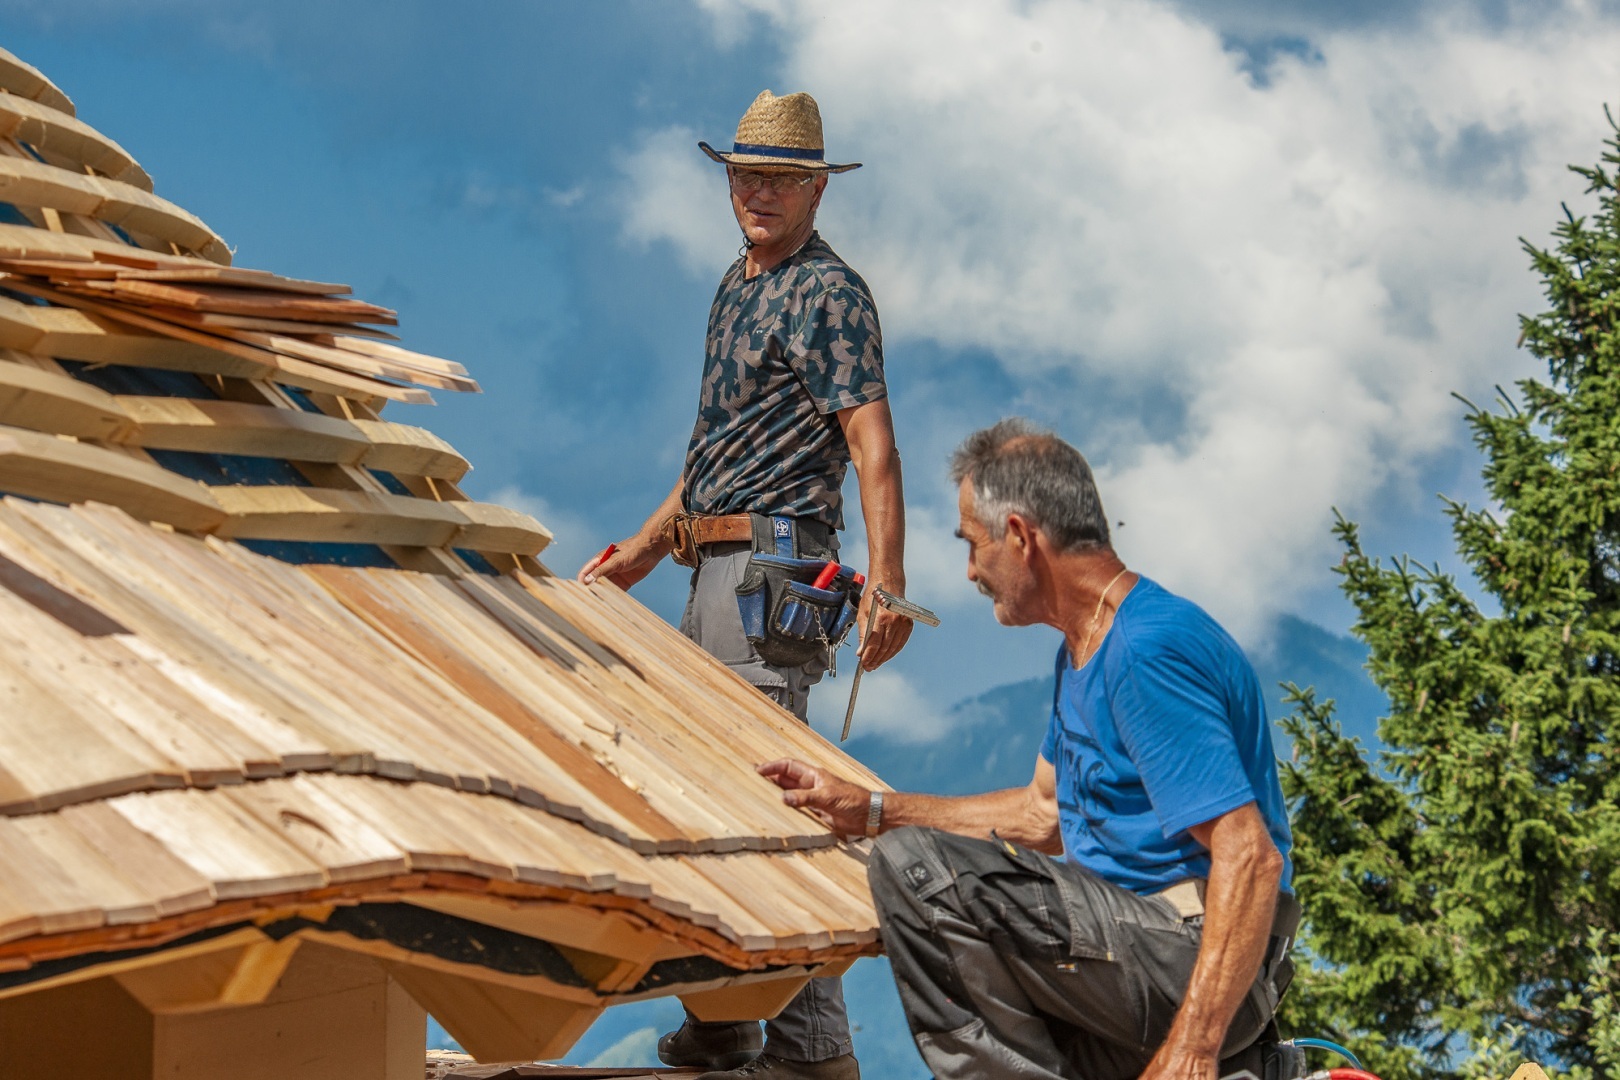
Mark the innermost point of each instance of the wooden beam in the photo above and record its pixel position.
(322, 515)
(751, 999)
(494, 1022)
(231, 427)
(25, 80)
(60, 470)
(53, 132)
(58, 404)
(491, 527)
(608, 933)
(32, 183)
(282, 368)
(332, 1016)
(209, 975)
(326, 515)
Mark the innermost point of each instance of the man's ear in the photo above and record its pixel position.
(1021, 532)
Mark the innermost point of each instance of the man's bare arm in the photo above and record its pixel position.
(638, 554)
(1245, 871)
(1026, 815)
(869, 429)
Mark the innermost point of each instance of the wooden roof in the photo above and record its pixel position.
(268, 676)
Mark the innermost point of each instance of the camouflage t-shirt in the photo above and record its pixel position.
(786, 350)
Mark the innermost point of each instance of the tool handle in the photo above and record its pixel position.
(828, 572)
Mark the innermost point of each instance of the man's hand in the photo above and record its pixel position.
(840, 805)
(889, 633)
(636, 557)
(1176, 1063)
(634, 560)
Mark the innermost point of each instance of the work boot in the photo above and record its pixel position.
(696, 1045)
(770, 1067)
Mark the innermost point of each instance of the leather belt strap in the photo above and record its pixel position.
(1187, 897)
(688, 532)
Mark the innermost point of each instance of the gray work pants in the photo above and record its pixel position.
(814, 1026)
(1010, 964)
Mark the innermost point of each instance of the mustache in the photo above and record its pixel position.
(984, 590)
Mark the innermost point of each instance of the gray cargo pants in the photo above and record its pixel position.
(814, 1026)
(1010, 964)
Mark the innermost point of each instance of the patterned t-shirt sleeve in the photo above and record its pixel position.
(837, 350)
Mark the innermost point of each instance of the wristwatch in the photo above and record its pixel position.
(874, 814)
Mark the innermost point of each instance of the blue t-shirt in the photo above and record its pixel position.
(1163, 728)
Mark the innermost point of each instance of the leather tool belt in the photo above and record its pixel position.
(688, 532)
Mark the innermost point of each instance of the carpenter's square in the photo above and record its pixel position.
(900, 606)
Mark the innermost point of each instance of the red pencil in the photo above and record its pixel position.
(607, 553)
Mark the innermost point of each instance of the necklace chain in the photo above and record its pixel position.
(1091, 628)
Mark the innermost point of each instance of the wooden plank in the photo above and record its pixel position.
(49, 889)
(331, 834)
(355, 361)
(609, 933)
(402, 623)
(246, 707)
(494, 1022)
(237, 275)
(42, 467)
(52, 132)
(409, 451)
(174, 886)
(316, 514)
(238, 854)
(491, 527)
(76, 335)
(232, 427)
(228, 300)
(31, 183)
(57, 403)
(209, 320)
(272, 365)
(384, 351)
(23, 79)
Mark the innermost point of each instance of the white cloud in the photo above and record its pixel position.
(888, 705)
(1304, 272)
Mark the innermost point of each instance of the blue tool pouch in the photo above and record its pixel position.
(786, 618)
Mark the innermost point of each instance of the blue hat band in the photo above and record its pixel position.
(796, 152)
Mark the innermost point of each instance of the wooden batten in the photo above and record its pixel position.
(53, 133)
(495, 1022)
(23, 79)
(50, 402)
(32, 183)
(229, 427)
(42, 467)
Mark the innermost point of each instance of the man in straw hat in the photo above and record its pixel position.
(792, 394)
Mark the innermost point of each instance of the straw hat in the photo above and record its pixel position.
(780, 131)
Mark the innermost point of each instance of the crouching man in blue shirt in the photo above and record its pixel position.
(1154, 942)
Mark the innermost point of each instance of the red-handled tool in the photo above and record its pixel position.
(825, 578)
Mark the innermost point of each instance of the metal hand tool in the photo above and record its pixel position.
(900, 606)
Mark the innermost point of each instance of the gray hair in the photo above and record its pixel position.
(1017, 467)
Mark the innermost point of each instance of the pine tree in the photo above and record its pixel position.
(1463, 893)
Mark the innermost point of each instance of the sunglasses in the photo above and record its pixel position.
(782, 183)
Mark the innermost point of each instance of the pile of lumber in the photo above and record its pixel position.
(286, 323)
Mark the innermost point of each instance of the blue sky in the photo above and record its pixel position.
(1241, 253)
